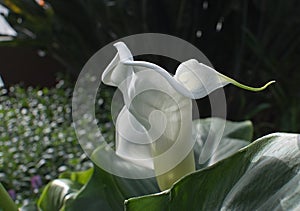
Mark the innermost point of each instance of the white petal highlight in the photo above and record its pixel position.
(116, 71)
(198, 78)
(123, 51)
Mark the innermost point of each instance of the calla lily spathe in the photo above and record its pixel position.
(154, 128)
(1, 82)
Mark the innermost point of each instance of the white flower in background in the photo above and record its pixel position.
(154, 128)
(1, 82)
(6, 31)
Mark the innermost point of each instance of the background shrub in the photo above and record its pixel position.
(37, 140)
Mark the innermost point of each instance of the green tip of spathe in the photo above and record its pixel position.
(253, 89)
(266, 85)
(249, 88)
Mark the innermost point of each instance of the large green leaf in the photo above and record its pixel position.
(263, 176)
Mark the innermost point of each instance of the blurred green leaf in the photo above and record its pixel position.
(56, 192)
(31, 206)
(81, 177)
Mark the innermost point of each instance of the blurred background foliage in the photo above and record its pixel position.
(37, 138)
(250, 40)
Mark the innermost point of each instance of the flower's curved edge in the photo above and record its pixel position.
(126, 58)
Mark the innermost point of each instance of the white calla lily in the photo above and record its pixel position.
(154, 128)
(1, 82)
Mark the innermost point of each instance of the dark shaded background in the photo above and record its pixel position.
(250, 40)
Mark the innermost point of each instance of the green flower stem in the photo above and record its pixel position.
(253, 89)
(6, 203)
